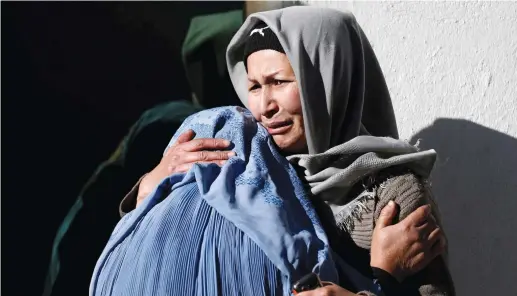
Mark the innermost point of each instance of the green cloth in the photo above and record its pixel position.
(204, 58)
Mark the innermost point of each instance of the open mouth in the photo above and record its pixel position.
(280, 127)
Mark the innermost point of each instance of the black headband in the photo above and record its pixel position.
(261, 38)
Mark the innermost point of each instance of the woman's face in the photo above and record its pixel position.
(274, 99)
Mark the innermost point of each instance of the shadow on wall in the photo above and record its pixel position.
(475, 184)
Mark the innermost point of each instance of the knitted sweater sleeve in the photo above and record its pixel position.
(409, 192)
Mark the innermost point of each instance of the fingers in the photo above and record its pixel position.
(440, 246)
(186, 136)
(437, 242)
(307, 293)
(425, 229)
(317, 292)
(183, 138)
(207, 156)
(435, 235)
(387, 215)
(436, 250)
(431, 246)
(418, 217)
(329, 289)
(205, 144)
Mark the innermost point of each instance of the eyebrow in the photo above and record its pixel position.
(268, 75)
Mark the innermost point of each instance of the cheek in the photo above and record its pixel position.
(254, 107)
(291, 101)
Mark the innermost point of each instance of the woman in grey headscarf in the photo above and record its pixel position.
(311, 78)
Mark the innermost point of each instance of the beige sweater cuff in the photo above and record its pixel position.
(128, 203)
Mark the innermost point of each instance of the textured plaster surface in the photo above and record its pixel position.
(445, 59)
(451, 68)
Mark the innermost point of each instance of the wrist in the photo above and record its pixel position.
(394, 271)
(387, 283)
(143, 191)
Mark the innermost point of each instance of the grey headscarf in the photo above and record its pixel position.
(349, 120)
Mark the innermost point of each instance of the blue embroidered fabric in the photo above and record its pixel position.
(245, 228)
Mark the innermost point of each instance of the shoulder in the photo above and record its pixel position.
(407, 190)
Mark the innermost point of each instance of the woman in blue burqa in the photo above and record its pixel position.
(314, 181)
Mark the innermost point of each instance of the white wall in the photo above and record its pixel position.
(451, 68)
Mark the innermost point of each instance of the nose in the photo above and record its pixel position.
(268, 105)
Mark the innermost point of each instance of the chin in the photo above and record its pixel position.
(291, 145)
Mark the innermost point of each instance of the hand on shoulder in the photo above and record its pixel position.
(407, 247)
(181, 156)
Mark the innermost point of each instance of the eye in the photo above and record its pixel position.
(254, 87)
(279, 82)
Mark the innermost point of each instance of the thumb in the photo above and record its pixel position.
(387, 215)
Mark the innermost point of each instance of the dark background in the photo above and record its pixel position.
(75, 76)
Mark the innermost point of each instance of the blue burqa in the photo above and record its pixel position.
(245, 228)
